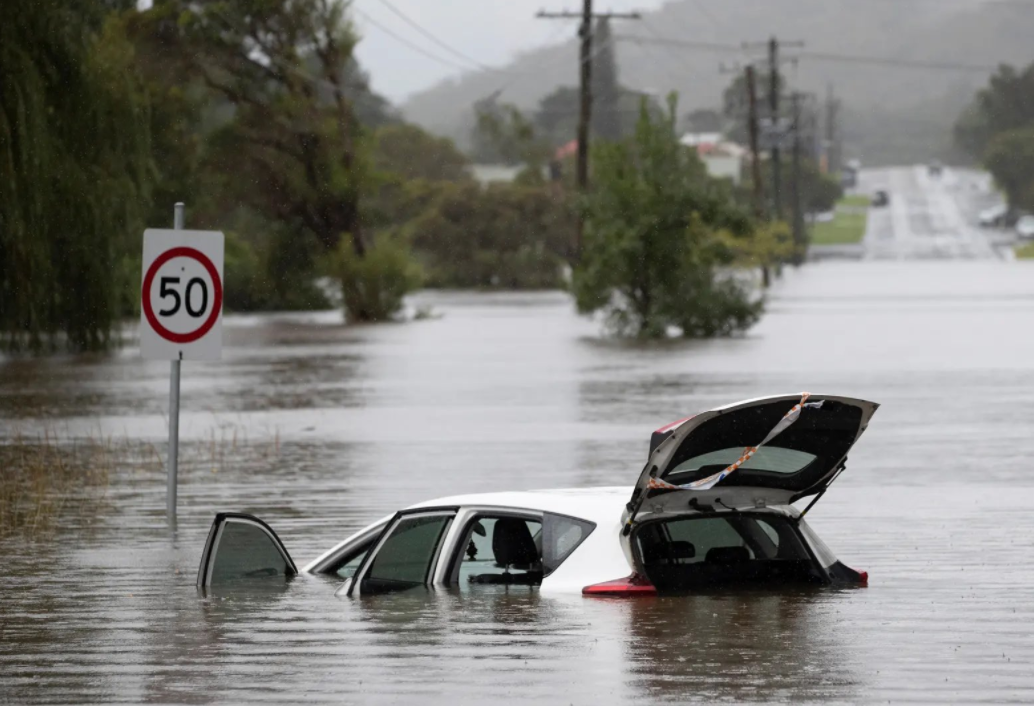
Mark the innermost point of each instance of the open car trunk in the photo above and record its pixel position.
(693, 552)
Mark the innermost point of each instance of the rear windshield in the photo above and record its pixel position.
(767, 458)
(734, 548)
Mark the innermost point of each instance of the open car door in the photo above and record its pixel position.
(242, 548)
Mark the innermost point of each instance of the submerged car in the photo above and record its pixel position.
(712, 507)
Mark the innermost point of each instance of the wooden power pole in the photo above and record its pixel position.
(774, 86)
(585, 57)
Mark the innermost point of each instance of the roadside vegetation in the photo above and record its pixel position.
(660, 240)
(1025, 251)
(850, 217)
(997, 129)
(257, 115)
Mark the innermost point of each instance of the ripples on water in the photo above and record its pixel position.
(320, 429)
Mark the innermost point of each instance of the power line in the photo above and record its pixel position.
(821, 56)
(443, 45)
(411, 45)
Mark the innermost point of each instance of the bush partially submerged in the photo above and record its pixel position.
(661, 241)
(374, 286)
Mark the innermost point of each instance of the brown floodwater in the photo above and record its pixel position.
(321, 428)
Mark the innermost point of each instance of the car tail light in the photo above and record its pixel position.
(863, 578)
(634, 585)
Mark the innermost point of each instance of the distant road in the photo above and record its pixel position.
(928, 217)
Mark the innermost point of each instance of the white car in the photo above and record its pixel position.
(712, 507)
(1025, 227)
(993, 216)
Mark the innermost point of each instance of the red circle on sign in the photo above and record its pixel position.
(217, 295)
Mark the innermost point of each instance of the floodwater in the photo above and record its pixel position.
(320, 428)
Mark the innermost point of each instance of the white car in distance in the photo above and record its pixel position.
(713, 507)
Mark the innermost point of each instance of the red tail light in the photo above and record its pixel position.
(634, 585)
(863, 578)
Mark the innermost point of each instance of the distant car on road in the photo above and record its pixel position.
(712, 508)
(880, 198)
(935, 168)
(994, 217)
(1025, 227)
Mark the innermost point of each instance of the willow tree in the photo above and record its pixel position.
(293, 149)
(74, 170)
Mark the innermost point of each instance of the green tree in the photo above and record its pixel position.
(1005, 104)
(657, 240)
(409, 152)
(74, 169)
(285, 67)
(556, 118)
(736, 104)
(1009, 157)
(496, 236)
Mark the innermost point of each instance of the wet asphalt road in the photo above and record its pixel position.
(929, 217)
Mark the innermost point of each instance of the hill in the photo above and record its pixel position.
(894, 111)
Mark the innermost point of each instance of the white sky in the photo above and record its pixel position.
(490, 32)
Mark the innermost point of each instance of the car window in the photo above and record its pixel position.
(704, 534)
(404, 559)
(690, 552)
(561, 536)
(501, 550)
(351, 562)
(245, 550)
(766, 458)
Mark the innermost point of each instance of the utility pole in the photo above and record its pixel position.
(774, 85)
(755, 154)
(755, 160)
(799, 232)
(585, 89)
(832, 133)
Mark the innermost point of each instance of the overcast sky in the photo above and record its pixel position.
(490, 32)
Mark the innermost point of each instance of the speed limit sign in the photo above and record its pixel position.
(181, 301)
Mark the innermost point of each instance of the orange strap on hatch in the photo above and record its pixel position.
(707, 483)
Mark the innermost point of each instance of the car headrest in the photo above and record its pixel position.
(727, 555)
(512, 542)
(682, 550)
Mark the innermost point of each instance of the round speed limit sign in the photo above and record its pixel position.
(181, 300)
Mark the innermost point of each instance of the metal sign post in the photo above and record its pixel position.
(172, 471)
(181, 314)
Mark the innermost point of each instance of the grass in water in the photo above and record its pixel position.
(42, 480)
(47, 480)
(1025, 251)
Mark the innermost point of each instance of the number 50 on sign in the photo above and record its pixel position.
(181, 300)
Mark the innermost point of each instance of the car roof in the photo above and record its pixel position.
(596, 504)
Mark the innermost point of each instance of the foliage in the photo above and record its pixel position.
(374, 285)
(656, 246)
(504, 135)
(287, 71)
(819, 192)
(847, 227)
(500, 235)
(1025, 251)
(1009, 157)
(1005, 104)
(770, 245)
(409, 152)
(736, 104)
(556, 119)
(75, 169)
